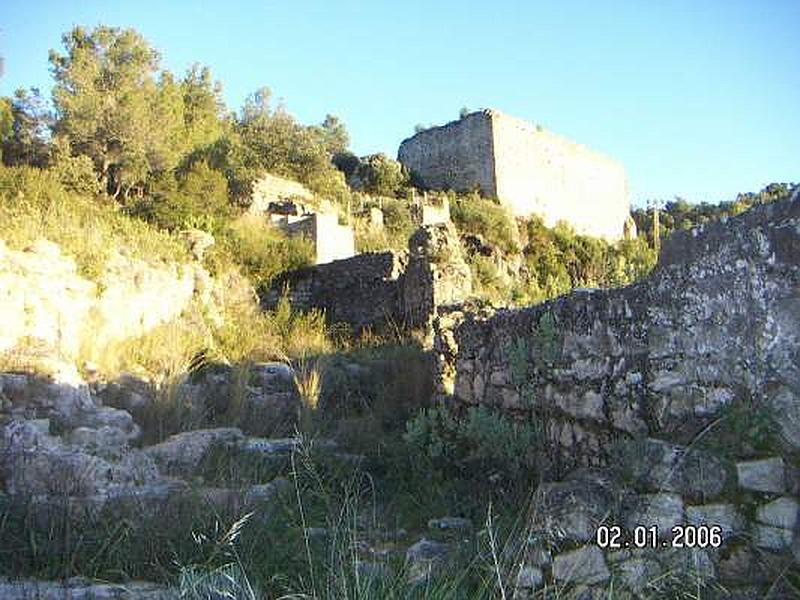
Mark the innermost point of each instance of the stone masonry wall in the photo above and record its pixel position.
(455, 156)
(360, 291)
(530, 170)
(671, 406)
(539, 172)
(376, 289)
(716, 322)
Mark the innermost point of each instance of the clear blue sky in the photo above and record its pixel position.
(697, 99)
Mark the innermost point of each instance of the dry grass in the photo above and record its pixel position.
(34, 205)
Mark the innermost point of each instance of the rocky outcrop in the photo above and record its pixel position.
(44, 300)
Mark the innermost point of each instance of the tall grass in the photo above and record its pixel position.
(34, 205)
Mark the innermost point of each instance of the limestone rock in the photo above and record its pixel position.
(82, 589)
(662, 510)
(450, 524)
(183, 453)
(198, 242)
(638, 573)
(772, 538)
(725, 516)
(585, 565)
(573, 509)
(425, 559)
(782, 512)
(656, 465)
(528, 580)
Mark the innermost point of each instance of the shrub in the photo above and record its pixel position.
(199, 197)
(473, 214)
(261, 250)
(483, 443)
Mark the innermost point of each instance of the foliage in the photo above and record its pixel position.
(680, 214)
(398, 226)
(272, 140)
(76, 173)
(24, 129)
(482, 443)
(34, 205)
(200, 195)
(112, 108)
(262, 251)
(482, 216)
(375, 174)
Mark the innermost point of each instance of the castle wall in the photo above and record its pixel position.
(530, 170)
(716, 323)
(538, 172)
(455, 156)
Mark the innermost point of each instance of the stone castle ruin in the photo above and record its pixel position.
(530, 170)
(288, 205)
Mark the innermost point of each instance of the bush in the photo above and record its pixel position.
(484, 217)
(482, 444)
(197, 198)
(262, 251)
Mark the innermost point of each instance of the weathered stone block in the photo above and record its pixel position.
(765, 475)
(585, 565)
(782, 512)
(724, 516)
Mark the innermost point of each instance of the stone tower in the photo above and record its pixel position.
(530, 170)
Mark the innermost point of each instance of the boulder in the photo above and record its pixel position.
(183, 453)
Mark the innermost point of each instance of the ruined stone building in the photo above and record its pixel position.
(292, 207)
(530, 170)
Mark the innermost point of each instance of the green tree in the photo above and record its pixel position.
(333, 135)
(272, 140)
(198, 198)
(25, 129)
(203, 108)
(111, 108)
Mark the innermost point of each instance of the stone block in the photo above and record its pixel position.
(782, 512)
(766, 475)
(585, 565)
(724, 516)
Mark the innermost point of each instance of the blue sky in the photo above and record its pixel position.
(696, 99)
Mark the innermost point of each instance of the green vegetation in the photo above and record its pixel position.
(132, 156)
(682, 215)
(34, 205)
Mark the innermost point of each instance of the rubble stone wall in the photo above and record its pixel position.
(716, 322)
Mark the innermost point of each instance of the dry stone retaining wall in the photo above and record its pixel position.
(627, 385)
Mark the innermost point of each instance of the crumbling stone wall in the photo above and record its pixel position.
(628, 386)
(716, 322)
(269, 189)
(380, 288)
(360, 291)
(531, 170)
